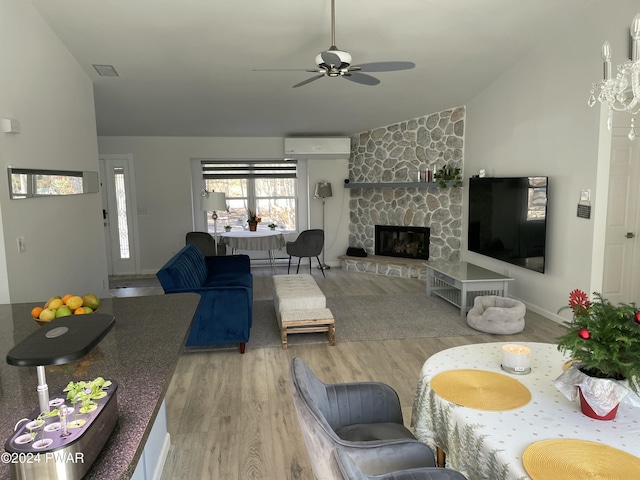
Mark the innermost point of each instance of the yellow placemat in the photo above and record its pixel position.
(568, 459)
(480, 389)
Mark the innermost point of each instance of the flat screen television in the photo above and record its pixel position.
(508, 219)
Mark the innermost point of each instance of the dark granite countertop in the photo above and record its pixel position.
(140, 352)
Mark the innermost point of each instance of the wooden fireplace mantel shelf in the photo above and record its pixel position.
(395, 185)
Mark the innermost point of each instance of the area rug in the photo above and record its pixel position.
(365, 318)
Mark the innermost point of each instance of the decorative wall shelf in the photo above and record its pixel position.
(396, 185)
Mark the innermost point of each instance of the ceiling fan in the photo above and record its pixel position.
(337, 63)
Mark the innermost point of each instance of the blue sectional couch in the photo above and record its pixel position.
(225, 285)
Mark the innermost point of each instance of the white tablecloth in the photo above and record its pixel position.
(258, 240)
(489, 445)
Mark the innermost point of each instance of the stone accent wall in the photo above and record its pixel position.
(397, 153)
(390, 268)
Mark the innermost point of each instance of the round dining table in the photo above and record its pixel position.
(489, 442)
(267, 240)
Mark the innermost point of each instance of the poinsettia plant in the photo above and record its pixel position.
(603, 338)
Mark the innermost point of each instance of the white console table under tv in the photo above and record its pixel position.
(460, 283)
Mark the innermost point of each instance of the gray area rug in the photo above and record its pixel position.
(365, 318)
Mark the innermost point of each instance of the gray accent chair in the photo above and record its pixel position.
(353, 417)
(204, 241)
(308, 244)
(359, 465)
(497, 315)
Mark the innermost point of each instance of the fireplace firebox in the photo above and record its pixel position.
(402, 241)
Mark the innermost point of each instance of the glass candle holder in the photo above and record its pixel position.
(516, 359)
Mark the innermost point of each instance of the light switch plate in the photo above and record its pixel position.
(585, 195)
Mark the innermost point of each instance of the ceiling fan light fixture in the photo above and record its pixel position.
(343, 57)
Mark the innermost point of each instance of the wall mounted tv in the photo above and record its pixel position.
(508, 219)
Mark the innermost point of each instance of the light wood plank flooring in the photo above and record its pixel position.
(230, 416)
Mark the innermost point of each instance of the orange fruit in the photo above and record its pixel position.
(66, 297)
(35, 313)
(79, 311)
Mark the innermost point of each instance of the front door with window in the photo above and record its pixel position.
(118, 201)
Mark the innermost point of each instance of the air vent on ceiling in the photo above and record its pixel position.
(106, 70)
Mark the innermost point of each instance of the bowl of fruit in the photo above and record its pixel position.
(70, 304)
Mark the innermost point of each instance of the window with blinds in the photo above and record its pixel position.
(266, 187)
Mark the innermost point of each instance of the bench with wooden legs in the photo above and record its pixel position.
(301, 307)
(307, 321)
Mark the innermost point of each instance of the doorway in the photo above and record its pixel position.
(621, 277)
(119, 214)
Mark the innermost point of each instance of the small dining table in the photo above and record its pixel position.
(486, 444)
(268, 240)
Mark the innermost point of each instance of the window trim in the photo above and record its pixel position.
(249, 170)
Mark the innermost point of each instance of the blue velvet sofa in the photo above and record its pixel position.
(225, 285)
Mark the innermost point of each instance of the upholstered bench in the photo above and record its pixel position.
(301, 307)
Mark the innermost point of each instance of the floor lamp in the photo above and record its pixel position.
(211, 202)
(323, 191)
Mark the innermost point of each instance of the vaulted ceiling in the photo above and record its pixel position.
(186, 67)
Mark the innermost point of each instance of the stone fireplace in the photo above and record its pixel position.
(402, 241)
(394, 155)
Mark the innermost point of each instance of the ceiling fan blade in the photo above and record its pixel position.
(283, 70)
(308, 80)
(362, 78)
(385, 66)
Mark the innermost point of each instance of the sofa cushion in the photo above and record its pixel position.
(223, 317)
(229, 279)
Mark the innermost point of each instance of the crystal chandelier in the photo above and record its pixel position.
(622, 93)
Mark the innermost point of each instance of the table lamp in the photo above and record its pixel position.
(212, 202)
(323, 190)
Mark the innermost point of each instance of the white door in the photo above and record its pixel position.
(621, 282)
(119, 212)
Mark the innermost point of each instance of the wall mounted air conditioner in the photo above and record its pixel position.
(314, 148)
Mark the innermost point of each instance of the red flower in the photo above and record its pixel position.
(578, 298)
(637, 317)
(584, 333)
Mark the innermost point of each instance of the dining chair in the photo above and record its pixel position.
(308, 244)
(204, 241)
(354, 417)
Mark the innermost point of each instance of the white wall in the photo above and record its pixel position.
(163, 185)
(336, 207)
(44, 88)
(534, 120)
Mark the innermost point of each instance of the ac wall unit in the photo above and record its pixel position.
(314, 148)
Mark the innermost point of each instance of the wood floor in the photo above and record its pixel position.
(230, 416)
